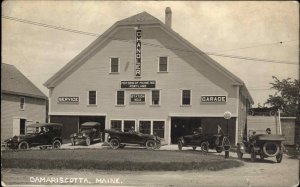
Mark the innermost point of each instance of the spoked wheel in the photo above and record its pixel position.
(88, 141)
(253, 155)
(56, 144)
(114, 143)
(158, 145)
(179, 145)
(279, 157)
(150, 144)
(23, 145)
(204, 147)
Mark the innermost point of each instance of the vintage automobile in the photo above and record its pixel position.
(264, 145)
(118, 139)
(89, 132)
(219, 142)
(263, 111)
(44, 135)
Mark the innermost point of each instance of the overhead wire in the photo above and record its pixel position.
(149, 44)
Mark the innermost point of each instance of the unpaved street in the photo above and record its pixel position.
(261, 173)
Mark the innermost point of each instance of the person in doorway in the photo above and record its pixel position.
(268, 131)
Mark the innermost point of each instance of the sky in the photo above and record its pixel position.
(267, 32)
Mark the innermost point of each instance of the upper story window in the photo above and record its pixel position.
(186, 97)
(92, 97)
(155, 97)
(114, 65)
(22, 103)
(163, 64)
(120, 97)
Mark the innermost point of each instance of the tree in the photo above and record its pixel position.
(286, 96)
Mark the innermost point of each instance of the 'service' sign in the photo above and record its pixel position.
(68, 100)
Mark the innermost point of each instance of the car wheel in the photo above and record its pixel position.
(23, 145)
(179, 145)
(88, 141)
(158, 145)
(194, 148)
(56, 144)
(114, 143)
(253, 155)
(72, 141)
(150, 144)
(262, 156)
(204, 147)
(219, 149)
(272, 113)
(279, 157)
(239, 153)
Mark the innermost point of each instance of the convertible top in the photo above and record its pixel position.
(44, 124)
(90, 124)
(269, 137)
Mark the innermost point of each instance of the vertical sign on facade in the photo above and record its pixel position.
(138, 62)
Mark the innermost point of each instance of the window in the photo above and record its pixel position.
(163, 64)
(159, 128)
(129, 124)
(145, 127)
(114, 65)
(22, 126)
(186, 97)
(22, 103)
(92, 97)
(155, 97)
(116, 124)
(120, 97)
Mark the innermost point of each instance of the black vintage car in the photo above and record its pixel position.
(263, 111)
(41, 134)
(89, 132)
(219, 142)
(118, 139)
(264, 145)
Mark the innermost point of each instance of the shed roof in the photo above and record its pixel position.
(14, 82)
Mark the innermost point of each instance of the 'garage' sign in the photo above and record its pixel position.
(213, 99)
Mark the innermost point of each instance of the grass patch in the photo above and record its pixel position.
(133, 160)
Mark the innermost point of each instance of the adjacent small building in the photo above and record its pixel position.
(22, 102)
(140, 73)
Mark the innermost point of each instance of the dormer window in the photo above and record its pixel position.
(163, 64)
(114, 65)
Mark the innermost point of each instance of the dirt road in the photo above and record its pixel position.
(261, 173)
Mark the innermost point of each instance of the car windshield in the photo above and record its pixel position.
(86, 129)
(36, 130)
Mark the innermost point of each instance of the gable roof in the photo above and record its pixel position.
(14, 82)
(142, 18)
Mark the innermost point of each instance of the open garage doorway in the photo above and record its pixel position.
(99, 119)
(181, 126)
